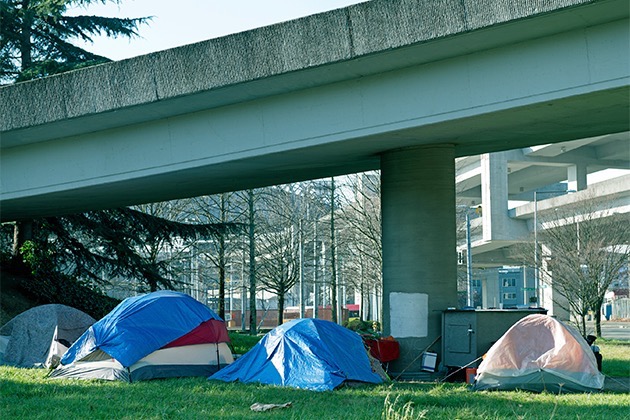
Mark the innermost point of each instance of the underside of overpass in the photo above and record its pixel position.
(510, 187)
(406, 86)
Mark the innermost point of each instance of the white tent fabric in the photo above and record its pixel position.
(193, 360)
(540, 353)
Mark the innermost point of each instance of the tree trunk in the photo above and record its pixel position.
(222, 260)
(153, 284)
(333, 250)
(222, 276)
(280, 308)
(315, 268)
(301, 252)
(598, 321)
(26, 59)
(362, 313)
(252, 266)
(22, 232)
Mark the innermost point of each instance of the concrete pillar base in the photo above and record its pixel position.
(419, 248)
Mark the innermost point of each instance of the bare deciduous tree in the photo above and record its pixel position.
(278, 249)
(586, 247)
(360, 238)
(220, 209)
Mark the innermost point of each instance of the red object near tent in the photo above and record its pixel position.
(383, 350)
(211, 331)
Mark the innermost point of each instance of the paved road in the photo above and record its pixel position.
(617, 330)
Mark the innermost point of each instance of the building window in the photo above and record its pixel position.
(509, 296)
(509, 282)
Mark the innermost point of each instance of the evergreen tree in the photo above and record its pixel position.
(99, 245)
(36, 37)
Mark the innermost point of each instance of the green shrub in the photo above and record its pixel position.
(363, 327)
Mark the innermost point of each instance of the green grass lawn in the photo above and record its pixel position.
(27, 393)
(616, 357)
(242, 342)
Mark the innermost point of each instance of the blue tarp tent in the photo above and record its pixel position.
(304, 353)
(138, 326)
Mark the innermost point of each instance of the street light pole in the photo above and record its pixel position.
(244, 286)
(315, 268)
(470, 302)
(301, 250)
(536, 249)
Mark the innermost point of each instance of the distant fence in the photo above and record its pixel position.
(620, 308)
(269, 318)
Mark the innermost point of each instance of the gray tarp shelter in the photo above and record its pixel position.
(39, 336)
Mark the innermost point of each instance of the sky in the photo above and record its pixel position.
(181, 22)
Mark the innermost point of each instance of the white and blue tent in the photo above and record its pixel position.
(156, 335)
(305, 353)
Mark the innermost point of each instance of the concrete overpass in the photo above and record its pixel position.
(518, 187)
(494, 180)
(406, 86)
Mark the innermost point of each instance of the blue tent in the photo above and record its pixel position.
(140, 325)
(304, 353)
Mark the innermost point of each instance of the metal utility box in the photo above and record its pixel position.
(469, 334)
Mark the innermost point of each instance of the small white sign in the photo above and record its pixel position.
(409, 315)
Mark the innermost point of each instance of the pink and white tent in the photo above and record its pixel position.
(540, 353)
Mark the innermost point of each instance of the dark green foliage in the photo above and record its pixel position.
(61, 288)
(6, 242)
(36, 37)
(13, 299)
(69, 256)
(110, 243)
(22, 290)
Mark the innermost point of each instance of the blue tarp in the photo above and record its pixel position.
(304, 353)
(140, 325)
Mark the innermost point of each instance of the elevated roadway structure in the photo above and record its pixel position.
(514, 192)
(509, 187)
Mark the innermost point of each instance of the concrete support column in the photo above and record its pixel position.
(490, 289)
(419, 247)
(494, 196)
(576, 177)
(551, 299)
